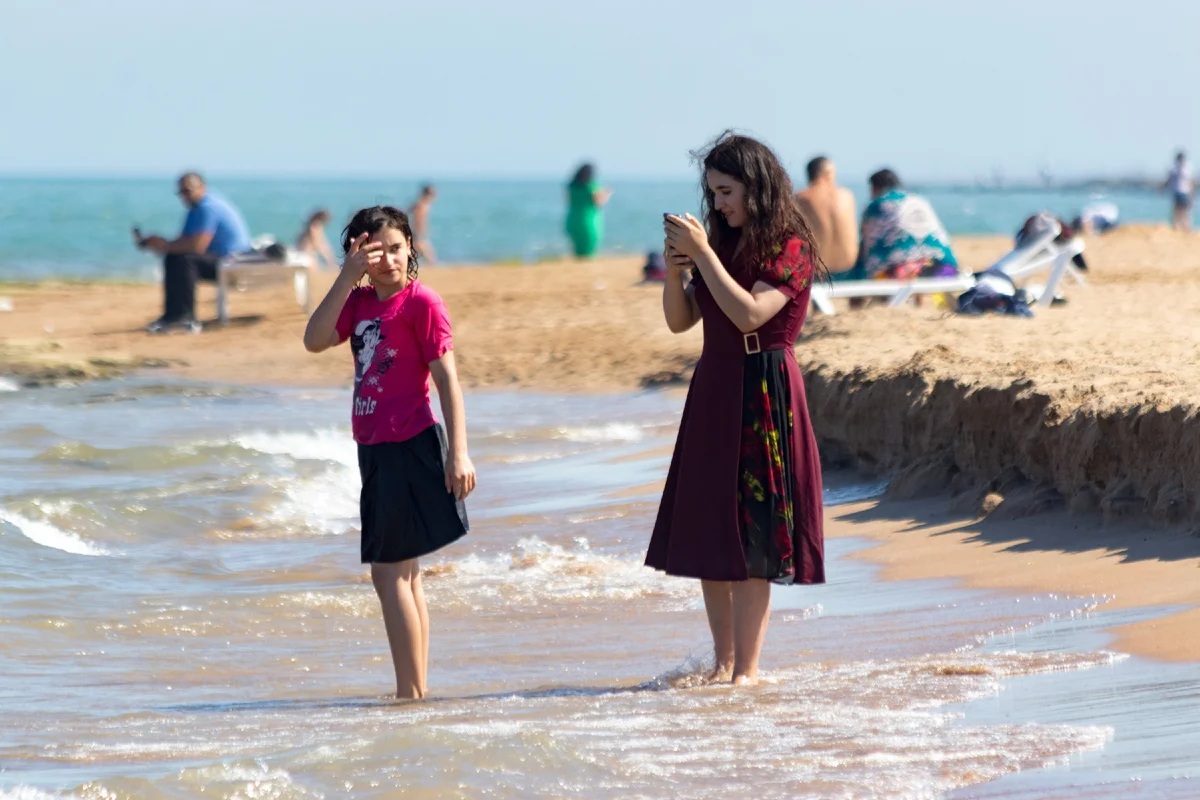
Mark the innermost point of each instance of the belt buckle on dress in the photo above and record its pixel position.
(757, 347)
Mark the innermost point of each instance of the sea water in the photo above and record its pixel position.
(80, 228)
(183, 614)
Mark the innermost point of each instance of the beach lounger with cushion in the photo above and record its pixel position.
(251, 269)
(1056, 258)
(898, 291)
(1039, 254)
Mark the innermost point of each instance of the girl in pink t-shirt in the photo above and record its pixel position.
(414, 482)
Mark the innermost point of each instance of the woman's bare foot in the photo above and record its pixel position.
(719, 675)
(745, 680)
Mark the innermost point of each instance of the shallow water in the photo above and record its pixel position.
(182, 612)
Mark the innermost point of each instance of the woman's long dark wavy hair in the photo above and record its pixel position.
(772, 213)
(374, 219)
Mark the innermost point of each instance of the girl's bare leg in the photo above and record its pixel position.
(751, 607)
(418, 591)
(394, 585)
(718, 604)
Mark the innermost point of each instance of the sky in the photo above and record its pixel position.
(936, 89)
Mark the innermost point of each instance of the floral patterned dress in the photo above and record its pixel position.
(743, 494)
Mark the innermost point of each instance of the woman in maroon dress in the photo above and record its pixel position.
(742, 504)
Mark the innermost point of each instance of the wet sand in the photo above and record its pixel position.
(1126, 566)
(1068, 441)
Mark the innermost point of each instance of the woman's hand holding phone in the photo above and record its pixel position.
(676, 262)
(685, 234)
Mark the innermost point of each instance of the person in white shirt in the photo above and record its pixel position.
(1179, 183)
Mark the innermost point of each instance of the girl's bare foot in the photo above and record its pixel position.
(745, 680)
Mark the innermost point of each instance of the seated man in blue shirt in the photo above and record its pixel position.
(213, 229)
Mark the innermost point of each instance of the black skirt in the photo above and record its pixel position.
(405, 508)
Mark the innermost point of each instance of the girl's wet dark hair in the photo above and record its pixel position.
(374, 219)
(772, 213)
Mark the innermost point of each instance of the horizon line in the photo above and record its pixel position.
(1032, 180)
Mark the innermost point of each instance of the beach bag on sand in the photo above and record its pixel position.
(994, 291)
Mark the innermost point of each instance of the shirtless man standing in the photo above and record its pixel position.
(419, 215)
(829, 210)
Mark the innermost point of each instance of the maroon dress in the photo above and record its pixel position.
(743, 495)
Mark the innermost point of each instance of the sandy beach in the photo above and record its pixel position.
(1058, 453)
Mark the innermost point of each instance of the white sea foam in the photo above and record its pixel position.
(326, 502)
(47, 535)
(537, 572)
(612, 432)
(23, 792)
(9, 385)
(327, 444)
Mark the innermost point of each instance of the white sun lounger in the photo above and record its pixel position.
(1041, 254)
(241, 271)
(1034, 256)
(899, 291)
(1058, 260)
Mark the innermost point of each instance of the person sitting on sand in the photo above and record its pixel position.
(655, 268)
(419, 214)
(830, 212)
(902, 237)
(213, 229)
(414, 482)
(313, 242)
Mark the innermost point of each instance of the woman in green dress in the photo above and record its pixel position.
(585, 219)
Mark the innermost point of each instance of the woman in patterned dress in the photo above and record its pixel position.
(742, 503)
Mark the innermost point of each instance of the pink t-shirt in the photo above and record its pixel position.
(393, 342)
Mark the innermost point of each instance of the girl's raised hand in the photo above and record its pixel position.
(685, 234)
(360, 256)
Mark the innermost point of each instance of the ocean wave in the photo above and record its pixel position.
(45, 534)
(537, 572)
(603, 433)
(9, 385)
(324, 502)
(856, 730)
(611, 432)
(329, 444)
(533, 575)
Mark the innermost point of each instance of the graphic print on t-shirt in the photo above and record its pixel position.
(371, 361)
